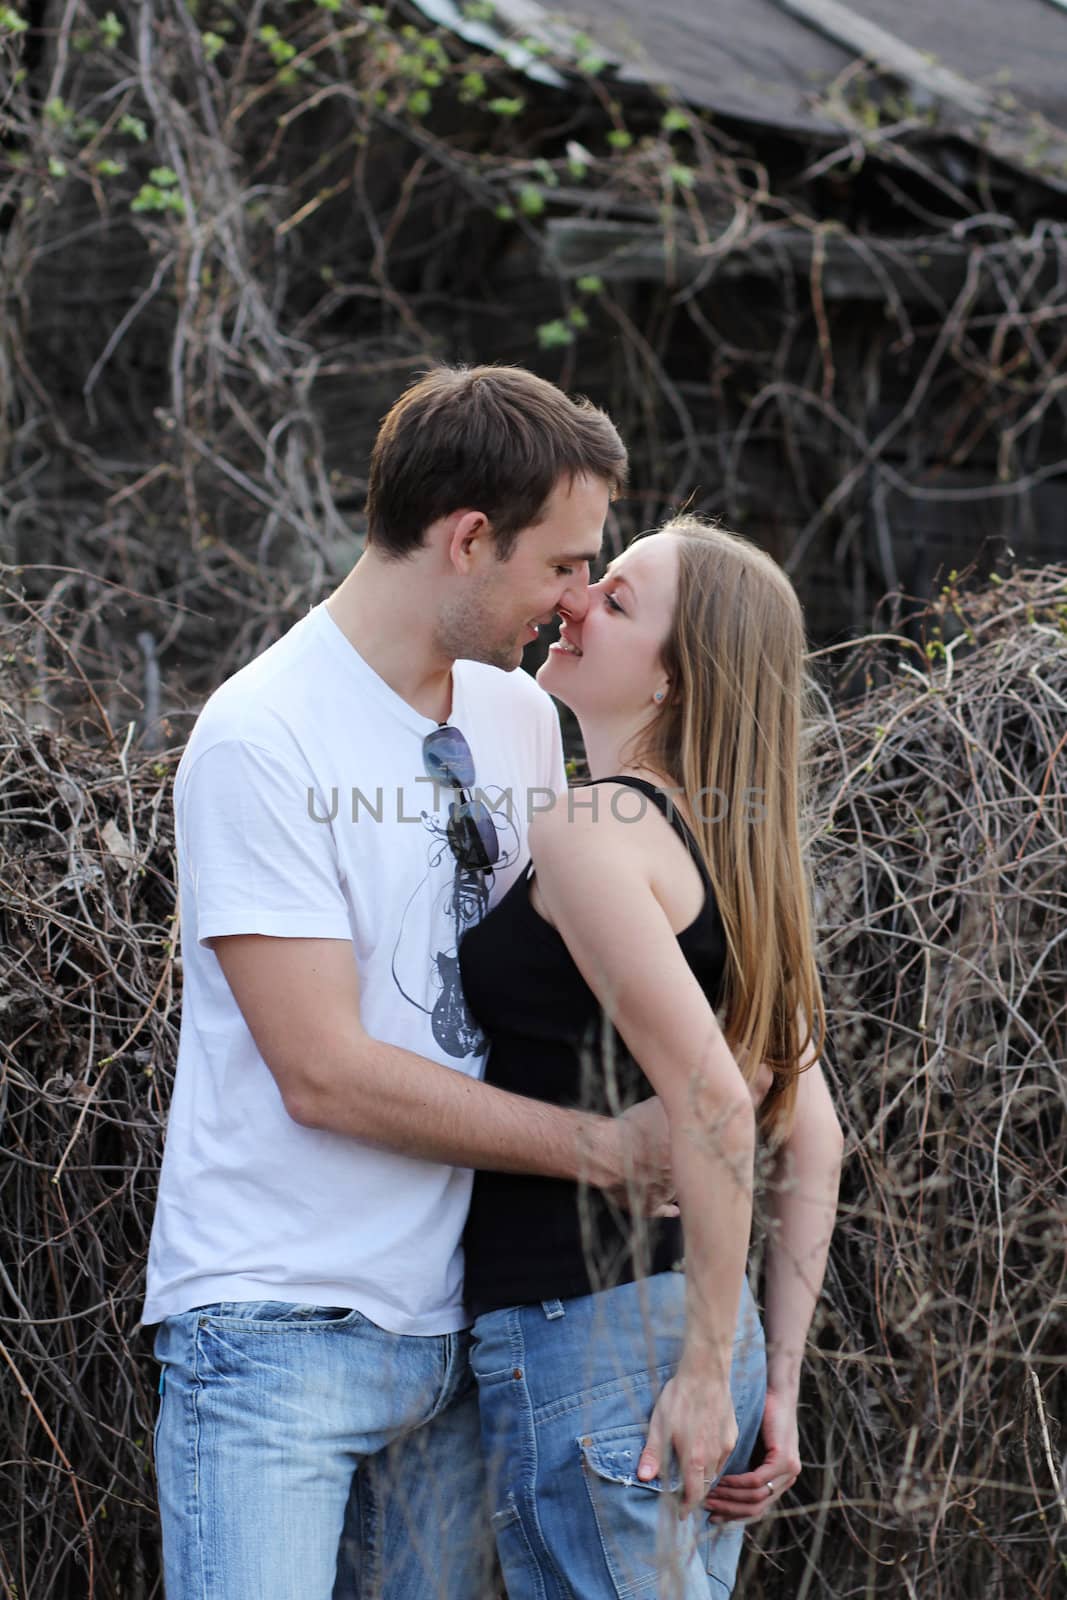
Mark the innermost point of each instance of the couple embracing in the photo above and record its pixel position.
(464, 1052)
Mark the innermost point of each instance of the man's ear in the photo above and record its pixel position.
(470, 541)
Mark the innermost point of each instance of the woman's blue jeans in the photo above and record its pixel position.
(565, 1391)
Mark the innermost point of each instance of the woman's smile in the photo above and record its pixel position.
(565, 646)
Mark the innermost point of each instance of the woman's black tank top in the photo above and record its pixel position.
(527, 1238)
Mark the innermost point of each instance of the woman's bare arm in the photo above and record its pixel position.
(802, 1205)
(595, 879)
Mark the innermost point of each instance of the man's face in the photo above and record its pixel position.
(498, 612)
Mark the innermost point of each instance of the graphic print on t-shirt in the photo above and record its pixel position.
(460, 903)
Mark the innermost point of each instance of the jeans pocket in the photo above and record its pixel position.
(648, 1550)
(270, 1313)
(522, 1575)
(613, 1453)
(492, 1348)
(721, 1552)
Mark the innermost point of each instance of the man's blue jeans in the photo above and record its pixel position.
(303, 1453)
(565, 1391)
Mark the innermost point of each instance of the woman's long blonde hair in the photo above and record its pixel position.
(729, 738)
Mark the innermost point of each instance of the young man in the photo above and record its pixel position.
(347, 805)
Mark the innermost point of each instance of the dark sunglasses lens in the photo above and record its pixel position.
(447, 758)
(472, 835)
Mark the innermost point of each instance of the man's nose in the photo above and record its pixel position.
(574, 601)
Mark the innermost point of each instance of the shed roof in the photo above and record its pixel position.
(770, 61)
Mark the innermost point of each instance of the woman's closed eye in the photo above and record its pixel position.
(612, 604)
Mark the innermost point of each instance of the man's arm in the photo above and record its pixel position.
(300, 999)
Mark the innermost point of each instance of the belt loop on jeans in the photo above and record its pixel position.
(552, 1309)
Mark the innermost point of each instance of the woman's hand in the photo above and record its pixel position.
(693, 1419)
(747, 1495)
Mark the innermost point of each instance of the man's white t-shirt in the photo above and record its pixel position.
(302, 811)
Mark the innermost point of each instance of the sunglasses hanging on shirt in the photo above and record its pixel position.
(471, 832)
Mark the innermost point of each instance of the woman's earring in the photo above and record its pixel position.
(658, 696)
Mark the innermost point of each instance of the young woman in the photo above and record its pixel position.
(621, 1398)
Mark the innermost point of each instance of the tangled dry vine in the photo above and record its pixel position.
(931, 1426)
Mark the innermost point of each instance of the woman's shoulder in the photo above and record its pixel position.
(610, 816)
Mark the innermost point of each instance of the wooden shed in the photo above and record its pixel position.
(844, 330)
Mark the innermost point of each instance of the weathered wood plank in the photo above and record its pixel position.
(920, 272)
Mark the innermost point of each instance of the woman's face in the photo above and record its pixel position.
(608, 659)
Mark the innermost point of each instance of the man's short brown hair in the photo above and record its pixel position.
(489, 439)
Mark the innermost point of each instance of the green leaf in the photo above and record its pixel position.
(212, 43)
(478, 10)
(684, 177)
(11, 22)
(57, 168)
(577, 318)
(503, 107)
(472, 86)
(58, 113)
(281, 51)
(111, 30)
(419, 103)
(134, 127)
(505, 213)
(531, 200)
(619, 139)
(591, 64)
(676, 121)
(432, 49)
(328, 5)
(553, 335)
(150, 197)
(590, 284)
(107, 168)
(163, 177)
